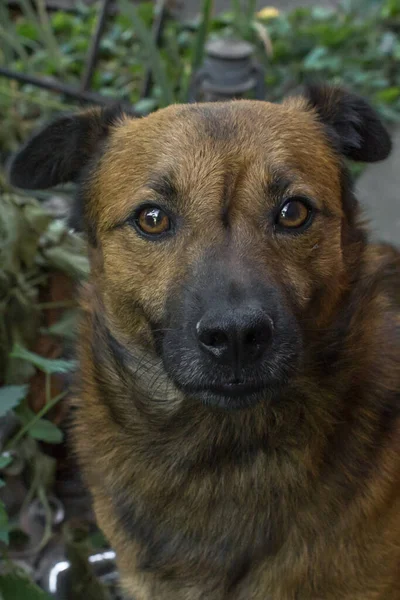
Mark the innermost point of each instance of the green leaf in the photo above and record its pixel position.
(66, 326)
(46, 431)
(37, 218)
(314, 59)
(11, 396)
(27, 30)
(5, 460)
(62, 22)
(44, 364)
(390, 8)
(388, 95)
(67, 259)
(17, 586)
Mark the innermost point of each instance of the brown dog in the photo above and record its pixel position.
(230, 270)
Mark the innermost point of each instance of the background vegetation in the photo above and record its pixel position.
(41, 260)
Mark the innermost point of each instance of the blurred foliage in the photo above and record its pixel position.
(357, 44)
(33, 247)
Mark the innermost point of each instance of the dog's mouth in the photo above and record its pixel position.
(216, 385)
(230, 395)
(235, 389)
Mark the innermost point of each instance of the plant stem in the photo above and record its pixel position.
(238, 16)
(50, 40)
(251, 9)
(48, 518)
(43, 411)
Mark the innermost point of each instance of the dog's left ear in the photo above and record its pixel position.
(60, 152)
(353, 125)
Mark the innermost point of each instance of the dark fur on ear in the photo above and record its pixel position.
(61, 151)
(353, 126)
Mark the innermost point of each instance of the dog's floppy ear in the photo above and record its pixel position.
(353, 125)
(61, 151)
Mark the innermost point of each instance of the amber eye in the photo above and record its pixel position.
(152, 221)
(295, 213)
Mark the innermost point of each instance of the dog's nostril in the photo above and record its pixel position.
(252, 337)
(213, 338)
(217, 338)
(257, 336)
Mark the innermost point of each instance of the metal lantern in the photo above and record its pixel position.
(229, 71)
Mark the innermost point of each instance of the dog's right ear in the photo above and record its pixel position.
(352, 124)
(61, 151)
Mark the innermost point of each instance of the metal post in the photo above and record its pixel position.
(228, 71)
(94, 48)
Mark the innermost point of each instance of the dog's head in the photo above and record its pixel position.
(217, 231)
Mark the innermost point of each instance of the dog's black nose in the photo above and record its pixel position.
(237, 337)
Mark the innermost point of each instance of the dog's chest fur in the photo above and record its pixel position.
(256, 505)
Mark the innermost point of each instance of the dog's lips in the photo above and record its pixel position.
(234, 389)
(229, 395)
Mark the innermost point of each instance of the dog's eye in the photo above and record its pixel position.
(294, 213)
(153, 221)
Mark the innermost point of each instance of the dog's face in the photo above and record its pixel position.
(217, 231)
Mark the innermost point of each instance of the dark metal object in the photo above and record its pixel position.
(94, 48)
(55, 571)
(161, 14)
(229, 71)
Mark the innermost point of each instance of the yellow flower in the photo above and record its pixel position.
(268, 12)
